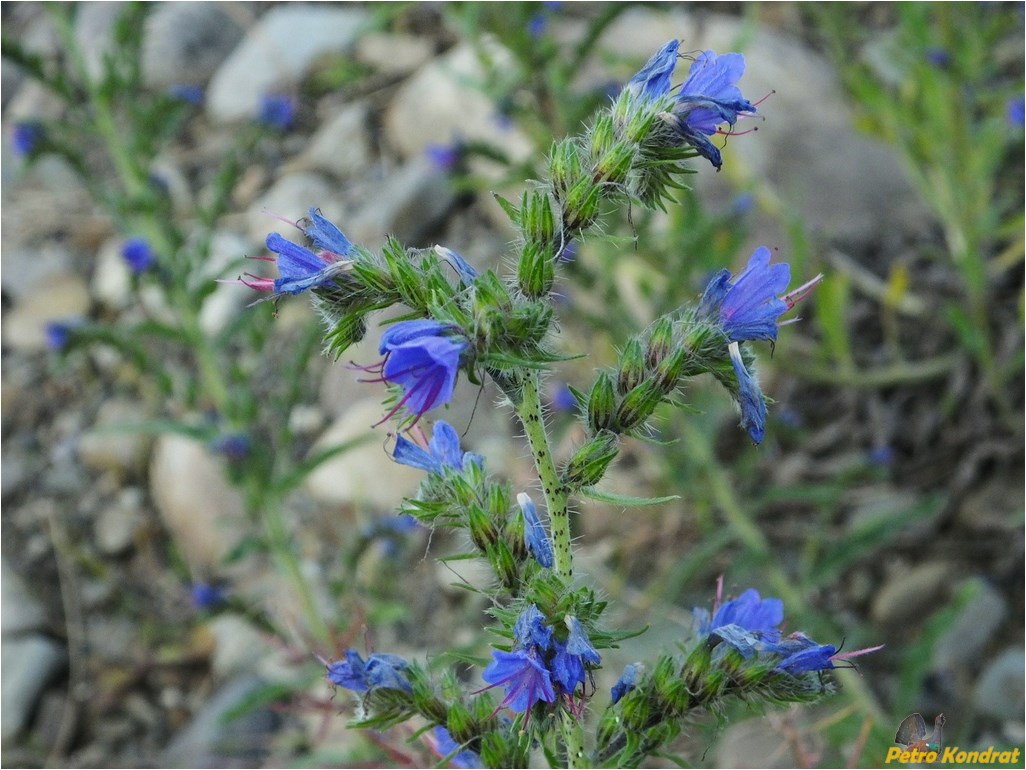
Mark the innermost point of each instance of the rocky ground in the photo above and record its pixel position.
(106, 660)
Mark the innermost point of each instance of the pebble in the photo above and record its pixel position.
(24, 272)
(971, 633)
(211, 739)
(1000, 688)
(276, 52)
(116, 527)
(29, 663)
(909, 596)
(226, 260)
(355, 477)
(239, 646)
(443, 102)
(185, 43)
(408, 204)
(64, 298)
(111, 284)
(393, 54)
(22, 612)
(341, 147)
(201, 510)
(115, 442)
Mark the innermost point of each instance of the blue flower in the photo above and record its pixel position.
(234, 446)
(568, 664)
(205, 596)
(627, 682)
(325, 235)
(443, 451)
(525, 678)
(299, 269)
(530, 629)
(709, 98)
(534, 533)
(446, 157)
(58, 333)
(748, 308)
(1016, 112)
(138, 254)
(379, 671)
(423, 359)
(817, 657)
(653, 80)
(184, 92)
(752, 613)
(277, 111)
(25, 137)
(445, 746)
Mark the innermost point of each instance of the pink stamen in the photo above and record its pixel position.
(792, 298)
(767, 96)
(855, 653)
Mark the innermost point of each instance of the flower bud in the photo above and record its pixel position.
(588, 465)
(536, 218)
(632, 367)
(504, 564)
(601, 403)
(564, 165)
(536, 270)
(460, 723)
(482, 529)
(614, 165)
(660, 342)
(638, 405)
(581, 205)
(669, 370)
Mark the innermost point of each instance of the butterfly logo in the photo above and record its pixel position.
(912, 733)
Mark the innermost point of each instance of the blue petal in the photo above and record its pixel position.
(426, 369)
(626, 682)
(753, 406)
(653, 80)
(761, 616)
(408, 453)
(385, 671)
(445, 445)
(527, 681)
(567, 669)
(300, 268)
(812, 659)
(464, 268)
(534, 533)
(741, 639)
(578, 643)
(530, 629)
(405, 331)
(326, 236)
(349, 673)
(752, 306)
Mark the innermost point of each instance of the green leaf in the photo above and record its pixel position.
(627, 501)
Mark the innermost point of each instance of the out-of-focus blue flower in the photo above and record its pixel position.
(568, 253)
(627, 682)
(525, 678)
(234, 446)
(26, 137)
(534, 533)
(58, 333)
(187, 92)
(464, 268)
(444, 745)
(748, 307)
(563, 398)
(423, 358)
(938, 57)
(653, 80)
(446, 157)
(536, 24)
(379, 671)
(277, 111)
(443, 451)
(709, 98)
(883, 455)
(742, 204)
(206, 596)
(1016, 112)
(138, 254)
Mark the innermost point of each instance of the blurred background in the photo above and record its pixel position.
(196, 510)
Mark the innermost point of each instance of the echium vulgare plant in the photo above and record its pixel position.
(549, 630)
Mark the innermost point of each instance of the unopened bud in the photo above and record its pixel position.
(601, 403)
(589, 463)
(482, 530)
(632, 367)
(660, 342)
(669, 370)
(536, 270)
(638, 405)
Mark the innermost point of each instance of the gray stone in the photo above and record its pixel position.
(406, 204)
(444, 102)
(116, 527)
(26, 271)
(202, 511)
(964, 642)
(908, 594)
(211, 739)
(22, 612)
(186, 42)
(115, 442)
(239, 646)
(1000, 688)
(341, 146)
(65, 298)
(355, 477)
(226, 260)
(276, 53)
(111, 284)
(393, 54)
(29, 663)
(94, 28)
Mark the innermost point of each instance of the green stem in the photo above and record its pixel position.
(530, 413)
(573, 740)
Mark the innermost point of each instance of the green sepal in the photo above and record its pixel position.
(627, 501)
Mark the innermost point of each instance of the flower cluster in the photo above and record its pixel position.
(750, 625)
(703, 102)
(541, 665)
